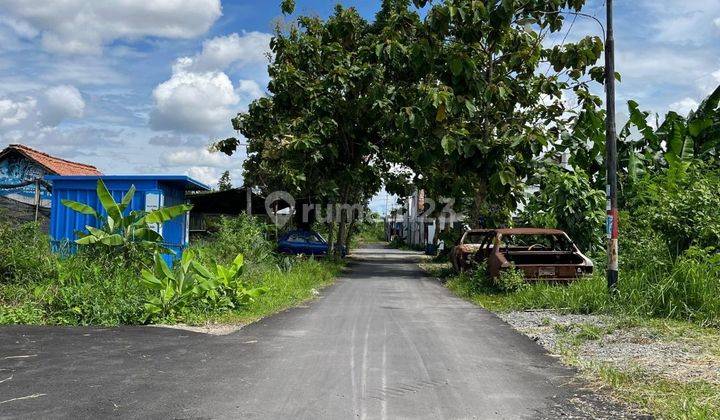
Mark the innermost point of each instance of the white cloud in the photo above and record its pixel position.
(85, 26)
(211, 176)
(194, 102)
(221, 52)
(208, 176)
(82, 71)
(708, 83)
(199, 163)
(199, 97)
(40, 110)
(684, 106)
(197, 157)
(175, 140)
(77, 143)
(249, 90)
(21, 28)
(683, 22)
(14, 113)
(61, 102)
(651, 64)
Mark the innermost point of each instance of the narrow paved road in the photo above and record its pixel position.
(384, 342)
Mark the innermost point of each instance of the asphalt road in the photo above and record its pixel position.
(383, 342)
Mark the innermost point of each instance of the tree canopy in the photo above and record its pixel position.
(462, 102)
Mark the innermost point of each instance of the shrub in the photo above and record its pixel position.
(688, 290)
(243, 234)
(371, 231)
(284, 289)
(191, 285)
(682, 208)
(510, 280)
(568, 201)
(92, 291)
(25, 254)
(97, 287)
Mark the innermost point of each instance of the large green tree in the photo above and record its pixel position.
(461, 102)
(479, 92)
(315, 136)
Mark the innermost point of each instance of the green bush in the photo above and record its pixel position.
(283, 289)
(192, 286)
(92, 291)
(25, 255)
(688, 289)
(237, 235)
(510, 280)
(682, 208)
(568, 201)
(371, 231)
(99, 287)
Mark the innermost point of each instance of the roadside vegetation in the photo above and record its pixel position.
(669, 261)
(369, 232)
(118, 275)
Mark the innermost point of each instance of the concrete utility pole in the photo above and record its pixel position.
(611, 148)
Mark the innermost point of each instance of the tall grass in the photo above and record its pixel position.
(688, 289)
(91, 288)
(25, 253)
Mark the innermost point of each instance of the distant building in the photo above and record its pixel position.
(209, 206)
(23, 191)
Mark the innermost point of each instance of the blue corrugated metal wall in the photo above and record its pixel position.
(65, 222)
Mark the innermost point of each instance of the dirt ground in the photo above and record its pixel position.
(681, 355)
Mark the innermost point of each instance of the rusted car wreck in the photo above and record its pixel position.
(541, 254)
(462, 255)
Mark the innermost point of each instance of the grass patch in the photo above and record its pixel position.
(94, 288)
(368, 232)
(667, 399)
(663, 398)
(676, 303)
(285, 290)
(690, 292)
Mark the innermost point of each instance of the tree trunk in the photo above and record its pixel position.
(477, 215)
(342, 232)
(331, 237)
(350, 232)
(342, 227)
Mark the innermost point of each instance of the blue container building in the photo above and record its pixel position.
(151, 192)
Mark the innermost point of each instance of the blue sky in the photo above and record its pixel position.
(145, 87)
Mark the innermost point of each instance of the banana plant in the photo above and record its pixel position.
(117, 229)
(190, 283)
(226, 281)
(174, 289)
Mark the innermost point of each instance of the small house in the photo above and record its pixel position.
(24, 194)
(151, 192)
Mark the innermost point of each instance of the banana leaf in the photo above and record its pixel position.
(80, 207)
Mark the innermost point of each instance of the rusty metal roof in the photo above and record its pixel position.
(54, 164)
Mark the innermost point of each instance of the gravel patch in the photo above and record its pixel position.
(212, 329)
(680, 359)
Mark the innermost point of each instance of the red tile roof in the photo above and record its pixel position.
(54, 164)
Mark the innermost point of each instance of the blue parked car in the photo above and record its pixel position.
(303, 242)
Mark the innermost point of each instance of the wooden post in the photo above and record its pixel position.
(248, 200)
(37, 199)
